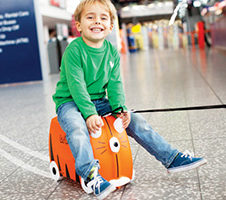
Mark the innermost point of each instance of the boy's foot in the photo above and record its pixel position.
(185, 161)
(101, 188)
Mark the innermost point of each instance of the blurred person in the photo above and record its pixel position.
(130, 38)
(136, 30)
(52, 35)
(90, 85)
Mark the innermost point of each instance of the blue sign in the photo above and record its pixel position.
(19, 49)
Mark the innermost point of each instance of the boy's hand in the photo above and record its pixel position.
(126, 118)
(94, 123)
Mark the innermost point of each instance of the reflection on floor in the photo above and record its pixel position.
(152, 79)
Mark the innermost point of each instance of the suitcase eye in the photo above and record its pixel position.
(114, 144)
(97, 134)
(118, 125)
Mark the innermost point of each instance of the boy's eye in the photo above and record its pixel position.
(89, 17)
(104, 18)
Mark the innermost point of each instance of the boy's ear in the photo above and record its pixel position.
(78, 26)
(111, 27)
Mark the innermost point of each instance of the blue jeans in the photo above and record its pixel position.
(77, 135)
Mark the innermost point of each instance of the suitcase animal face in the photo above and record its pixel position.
(110, 146)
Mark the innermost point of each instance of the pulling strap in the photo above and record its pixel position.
(120, 109)
(181, 108)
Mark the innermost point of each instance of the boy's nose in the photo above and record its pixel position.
(97, 20)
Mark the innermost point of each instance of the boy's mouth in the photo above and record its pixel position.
(96, 30)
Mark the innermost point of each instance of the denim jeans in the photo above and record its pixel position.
(77, 135)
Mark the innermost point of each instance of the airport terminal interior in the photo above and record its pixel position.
(152, 79)
(159, 70)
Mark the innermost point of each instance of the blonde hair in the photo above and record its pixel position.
(107, 3)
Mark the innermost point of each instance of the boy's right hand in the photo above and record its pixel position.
(94, 123)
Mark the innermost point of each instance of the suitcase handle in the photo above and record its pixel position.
(115, 111)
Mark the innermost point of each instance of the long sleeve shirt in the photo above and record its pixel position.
(87, 74)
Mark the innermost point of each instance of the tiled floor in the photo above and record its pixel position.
(153, 79)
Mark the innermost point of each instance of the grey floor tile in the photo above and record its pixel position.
(20, 196)
(153, 182)
(212, 178)
(172, 126)
(8, 157)
(211, 148)
(181, 189)
(208, 124)
(69, 189)
(25, 183)
(6, 169)
(134, 147)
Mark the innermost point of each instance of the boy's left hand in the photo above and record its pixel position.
(126, 118)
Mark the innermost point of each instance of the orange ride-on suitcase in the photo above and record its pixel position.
(110, 146)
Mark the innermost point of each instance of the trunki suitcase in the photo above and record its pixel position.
(110, 146)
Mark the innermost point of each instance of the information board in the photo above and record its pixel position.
(19, 47)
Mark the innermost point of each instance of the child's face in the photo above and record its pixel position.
(95, 24)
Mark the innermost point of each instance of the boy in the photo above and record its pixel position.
(90, 69)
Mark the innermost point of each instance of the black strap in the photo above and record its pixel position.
(182, 108)
(115, 111)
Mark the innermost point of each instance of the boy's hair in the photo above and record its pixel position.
(107, 3)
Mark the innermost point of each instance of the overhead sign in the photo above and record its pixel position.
(19, 48)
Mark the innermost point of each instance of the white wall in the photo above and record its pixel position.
(71, 5)
(52, 15)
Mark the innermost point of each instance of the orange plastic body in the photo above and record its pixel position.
(113, 165)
